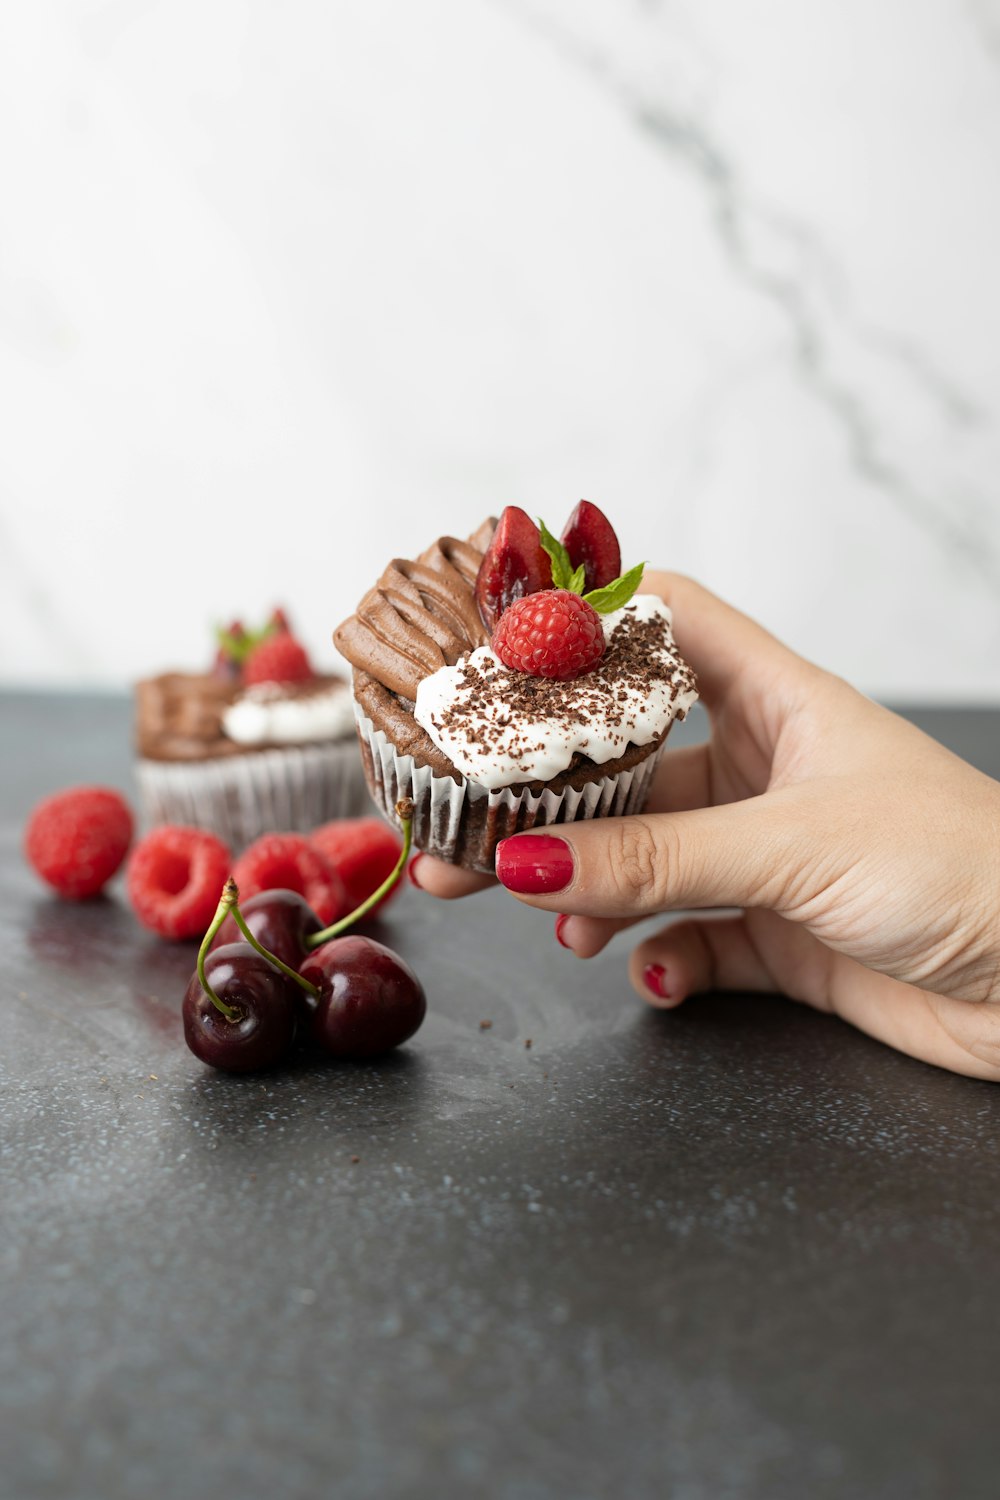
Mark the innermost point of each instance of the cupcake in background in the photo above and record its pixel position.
(511, 681)
(260, 742)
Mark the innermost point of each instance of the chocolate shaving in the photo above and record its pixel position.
(640, 652)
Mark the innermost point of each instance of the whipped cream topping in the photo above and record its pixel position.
(499, 727)
(267, 715)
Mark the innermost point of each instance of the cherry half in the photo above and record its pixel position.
(245, 1020)
(590, 539)
(369, 999)
(514, 564)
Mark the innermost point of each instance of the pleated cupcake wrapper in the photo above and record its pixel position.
(291, 790)
(463, 823)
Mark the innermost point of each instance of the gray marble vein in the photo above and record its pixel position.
(729, 270)
(953, 516)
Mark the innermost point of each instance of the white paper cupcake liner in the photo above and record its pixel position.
(450, 820)
(240, 797)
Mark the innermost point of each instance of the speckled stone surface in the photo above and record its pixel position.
(737, 1251)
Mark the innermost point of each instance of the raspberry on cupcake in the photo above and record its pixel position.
(511, 681)
(260, 742)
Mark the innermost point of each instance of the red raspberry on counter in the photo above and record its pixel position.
(174, 879)
(76, 839)
(363, 851)
(554, 633)
(278, 658)
(289, 862)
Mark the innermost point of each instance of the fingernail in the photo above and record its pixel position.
(654, 977)
(561, 921)
(411, 871)
(534, 864)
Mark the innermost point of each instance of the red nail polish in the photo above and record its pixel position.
(534, 864)
(561, 921)
(654, 978)
(411, 871)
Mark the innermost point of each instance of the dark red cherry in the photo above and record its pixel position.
(589, 538)
(514, 564)
(369, 1000)
(227, 665)
(280, 921)
(263, 1028)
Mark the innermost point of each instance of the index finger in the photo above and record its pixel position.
(447, 882)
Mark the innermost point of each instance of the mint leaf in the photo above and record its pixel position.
(576, 582)
(562, 568)
(238, 647)
(616, 593)
(233, 647)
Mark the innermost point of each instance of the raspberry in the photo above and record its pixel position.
(175, 878)
(287, 861)
(363, 851)
(279, 658)
(76, 840)
(550, 634)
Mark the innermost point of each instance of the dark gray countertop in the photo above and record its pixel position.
(735, 1251)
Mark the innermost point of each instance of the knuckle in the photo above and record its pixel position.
(973, 1028)
(640, 860)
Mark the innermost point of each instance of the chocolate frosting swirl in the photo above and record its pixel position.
(179, 715)
(420, 616)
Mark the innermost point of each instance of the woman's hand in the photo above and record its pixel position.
(865, 858)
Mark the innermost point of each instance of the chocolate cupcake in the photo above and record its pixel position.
(511, 681)
(260, 743)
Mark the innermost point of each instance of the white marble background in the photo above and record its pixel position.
(288, 289)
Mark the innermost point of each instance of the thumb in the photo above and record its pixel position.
(740, 854)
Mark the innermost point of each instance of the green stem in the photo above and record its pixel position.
(272, 957)
(228, 901)
(404, 812)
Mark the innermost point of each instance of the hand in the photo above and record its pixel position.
(865, 858)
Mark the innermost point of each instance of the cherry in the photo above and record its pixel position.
(280, 920)
(227, 656)
(242, 1001)
(590, 539)
(514, 564)
(246, 1020)
(370, 1001)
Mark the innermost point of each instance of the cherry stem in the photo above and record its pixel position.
(273, 958)
(229, 895)
(404, 812)
(229, 906)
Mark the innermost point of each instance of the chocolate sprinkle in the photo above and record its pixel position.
(638, 653)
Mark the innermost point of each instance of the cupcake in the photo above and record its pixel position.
(512, 680)
(260, 743)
